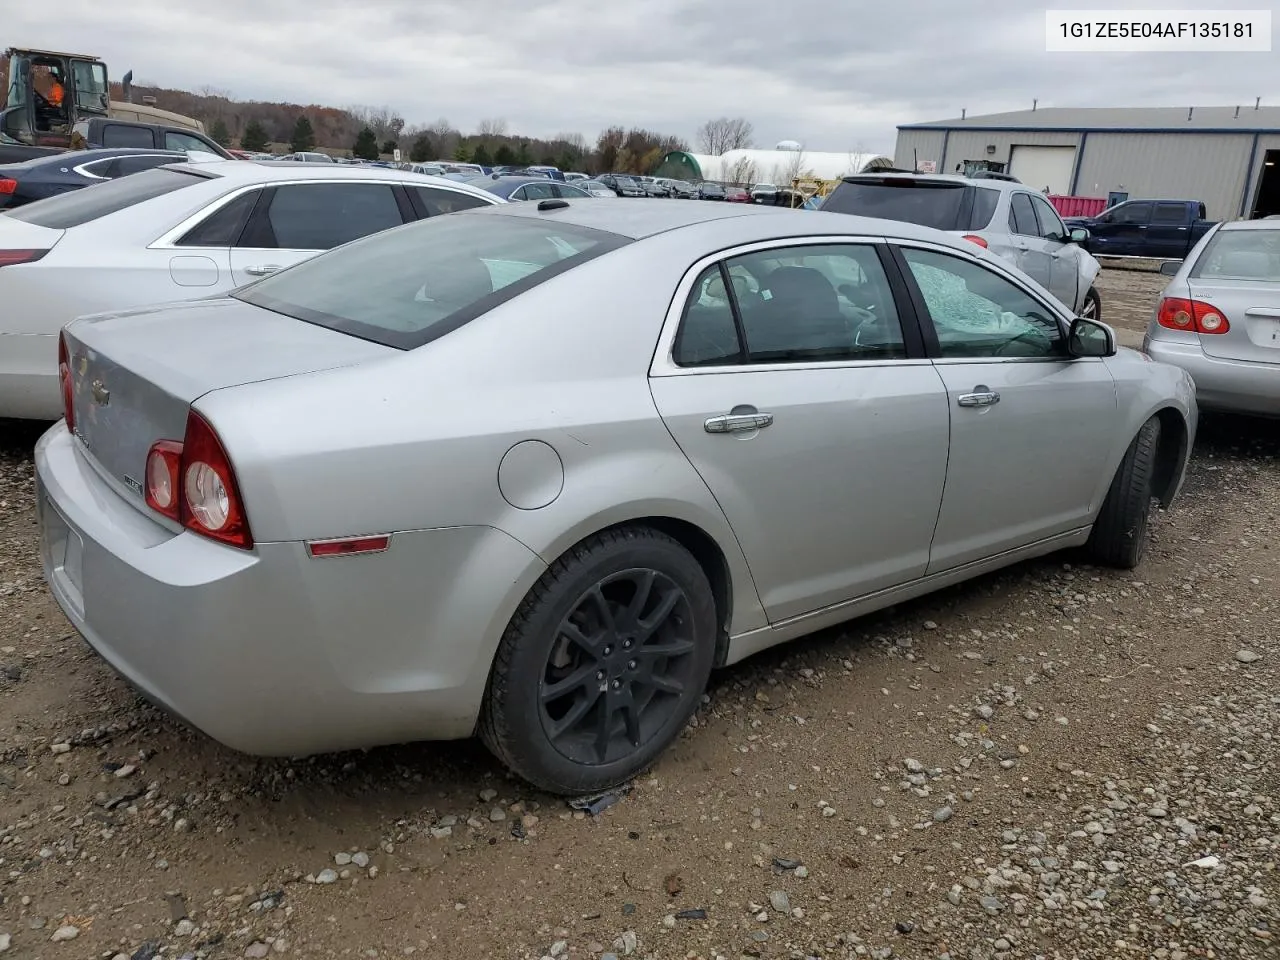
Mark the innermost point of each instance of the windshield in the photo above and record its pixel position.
(1241, 255)
(408, 286)
(928, 203)
(80, 206)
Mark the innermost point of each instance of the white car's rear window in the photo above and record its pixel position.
(407, 286)
(100, 199)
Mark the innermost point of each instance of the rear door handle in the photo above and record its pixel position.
(982, 396)
(737, 422)
(262, 269)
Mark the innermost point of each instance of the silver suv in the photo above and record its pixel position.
(1009, 219)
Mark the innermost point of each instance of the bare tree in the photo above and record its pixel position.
(221, 93)
(790, 169)
(719, 136)
(385, 123)
(492, 129)
(575, 141)
(742, 171)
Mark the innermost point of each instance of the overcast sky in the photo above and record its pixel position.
(836, 76)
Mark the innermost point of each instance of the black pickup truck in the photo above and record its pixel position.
(1165, 229)
(109, 132)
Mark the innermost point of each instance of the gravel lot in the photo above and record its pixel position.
(1056, 761)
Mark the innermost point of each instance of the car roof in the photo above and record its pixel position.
(751, 222)
(78, 157)
(987, 183)
(269, 171)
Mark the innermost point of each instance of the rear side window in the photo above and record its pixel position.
(81, 206)
(943, 206)
(984, 208)
(404, 288)
(320, 216)
(1022, 216)
(1170, 213)
(183, 141)
(222, 227)
(118, 135)
(126, 166)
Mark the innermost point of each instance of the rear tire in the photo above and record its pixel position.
(1092, 308)
(1119, 536)
(603, 663)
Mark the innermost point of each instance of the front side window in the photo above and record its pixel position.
(1132, 213)
(320, 216)
(404, 288)
(1051, 225)
(792, 305)
(437, 201)
(978, 313)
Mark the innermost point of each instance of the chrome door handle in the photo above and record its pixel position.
(737, 422)
(262, 270)
(981, 397)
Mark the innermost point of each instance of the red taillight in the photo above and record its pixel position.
(1193, 316)
(348, 547)
(193, 482)
(164, 468)
(974, 238)
(64, 382)
(10, 258)
(7, 186)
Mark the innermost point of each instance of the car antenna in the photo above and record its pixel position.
(552, 204)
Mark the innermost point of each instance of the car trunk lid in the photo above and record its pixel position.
(135, 373)
(1252, 311)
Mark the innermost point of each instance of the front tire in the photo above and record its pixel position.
(1092, 307)
(603, 663)
(1119, 536)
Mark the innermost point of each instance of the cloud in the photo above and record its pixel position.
(834, 76)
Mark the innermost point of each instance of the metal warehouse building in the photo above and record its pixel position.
(1229, 157)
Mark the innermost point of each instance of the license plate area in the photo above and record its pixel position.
(63, 550)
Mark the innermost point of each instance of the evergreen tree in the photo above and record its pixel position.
(422, 150)
(304, 136)
(463, 153)
(504, 156)
(220, 134)
(481, 156)
(523, 156)
(254, 137)
(366, 145)
(548, 160)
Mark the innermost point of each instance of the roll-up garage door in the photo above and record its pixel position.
(1040, 167)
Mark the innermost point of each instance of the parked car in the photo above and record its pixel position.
(763, 192)
(102, 132)
(1146, 228)
(681, 189)
(1002, 216)
(255, 512)
(624, 185)
(1219, 318)
(710, 191)
(736, 195)
(177, 232)
(527, 188)
(48, 176)
(310, 156)
(596, 188)
(654, 187)
(573, 177)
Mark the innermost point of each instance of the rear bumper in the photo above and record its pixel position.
(269, 651)
(29, 376)
(1232, 386)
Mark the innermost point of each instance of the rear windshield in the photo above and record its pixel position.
(1240, 255)
(408, 286)
(929, 203)
(89, 203)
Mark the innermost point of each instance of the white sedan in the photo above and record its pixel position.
(180, 232)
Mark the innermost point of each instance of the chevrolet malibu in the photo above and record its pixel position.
(534, 470)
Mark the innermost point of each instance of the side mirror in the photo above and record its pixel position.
(1078, 235)
(1170, 268)
(1089, 338)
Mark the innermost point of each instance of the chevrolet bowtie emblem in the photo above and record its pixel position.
(101, 395)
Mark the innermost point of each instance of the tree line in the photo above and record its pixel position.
(370, 133)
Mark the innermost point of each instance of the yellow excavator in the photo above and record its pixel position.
(49, 93)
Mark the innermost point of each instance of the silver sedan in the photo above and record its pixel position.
(534, 470)
(1219, 318)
